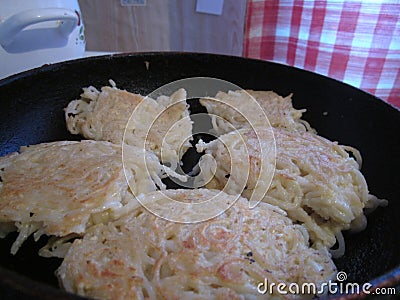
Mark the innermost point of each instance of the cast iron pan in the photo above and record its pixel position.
(31, 111)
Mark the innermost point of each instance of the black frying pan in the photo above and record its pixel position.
(31, 112)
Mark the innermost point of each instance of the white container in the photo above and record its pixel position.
(38, 32)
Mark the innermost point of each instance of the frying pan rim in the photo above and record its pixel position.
(53, 66)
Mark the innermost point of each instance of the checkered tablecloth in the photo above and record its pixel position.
(357, 42)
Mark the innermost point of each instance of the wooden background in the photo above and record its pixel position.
(160, 25)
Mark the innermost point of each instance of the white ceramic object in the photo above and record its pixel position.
(38, 32)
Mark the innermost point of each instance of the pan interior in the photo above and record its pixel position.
(32, 112)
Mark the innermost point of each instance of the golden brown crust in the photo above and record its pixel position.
(104, 115)
(234, 106)
(142, 255)
(64, 187)
(315, 180)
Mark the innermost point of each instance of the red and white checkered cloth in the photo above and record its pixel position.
(357, 42)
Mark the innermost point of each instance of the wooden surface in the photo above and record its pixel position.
(112, 27)
(162, 25)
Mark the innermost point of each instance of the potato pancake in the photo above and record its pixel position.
(62, 188)
(141, 256)
(230, 107)
(316, 181)
(104, 115)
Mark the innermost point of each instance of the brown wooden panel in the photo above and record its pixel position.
(109, 26)
(199, 32)
(162, 26)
